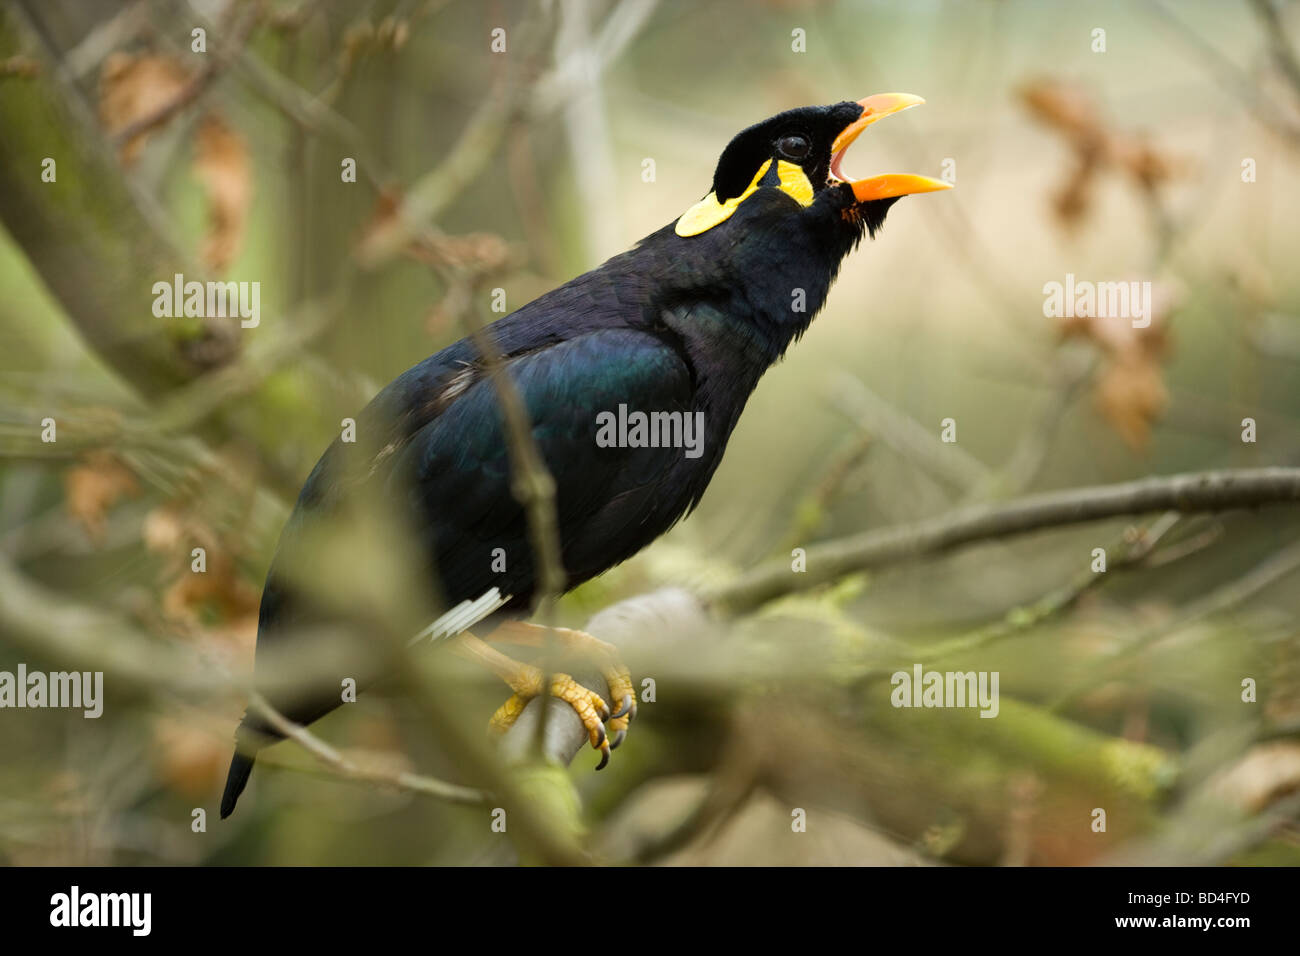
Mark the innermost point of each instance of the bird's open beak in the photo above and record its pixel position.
(888, 185)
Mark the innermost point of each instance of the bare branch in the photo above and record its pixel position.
(1187, 493)
(201, 82)
(97, 241)
(1129, 552)
(349, 769)
(1279, 46)
(1277, 566)
(532, 484)
(1231, 76)
(953, 466)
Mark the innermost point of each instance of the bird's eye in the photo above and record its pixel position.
(793, 147)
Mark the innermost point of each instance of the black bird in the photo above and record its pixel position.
(686, 323)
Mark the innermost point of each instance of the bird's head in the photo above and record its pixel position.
(800, 153)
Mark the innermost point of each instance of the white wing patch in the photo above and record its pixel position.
(457, 384)
(462, 617)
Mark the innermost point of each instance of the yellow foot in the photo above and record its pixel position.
(588, 705)
(619, 679)
(526, 680)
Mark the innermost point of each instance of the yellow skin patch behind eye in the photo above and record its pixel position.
(794, 183)
(708, 212)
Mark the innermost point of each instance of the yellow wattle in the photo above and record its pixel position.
(708, 212)
(794, 182)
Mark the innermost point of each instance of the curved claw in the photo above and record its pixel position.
(527, 681)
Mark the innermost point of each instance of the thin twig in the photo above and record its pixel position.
(191, 403)
(428, 196)
(201, 82)
(531, 481)
(345, 767)
(1279, 46)
(1275, 568)
(1026, 461)
(311, 115)
(1130, 551)
(1187, 493)
(1231, 75)
(533, 487)
(810, 513)
(733, 783)
(949, 463)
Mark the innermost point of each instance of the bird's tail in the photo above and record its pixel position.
(240, 767)
(463, 616)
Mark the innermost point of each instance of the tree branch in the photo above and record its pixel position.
(200, 82)
(669, 612)
(1279, 47)
(344, 767)
(96, 241)
(1187, 493)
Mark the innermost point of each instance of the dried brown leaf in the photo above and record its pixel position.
(93, 486)
(190, 756)
(132, 88)
(1130, 391)
(220, 589)
(1131, 394)
(1097, 145)
(222, 165)
(1065, 108)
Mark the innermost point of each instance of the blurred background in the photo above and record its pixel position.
(1111, 141)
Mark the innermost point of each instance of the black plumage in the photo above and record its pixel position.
(678, 324)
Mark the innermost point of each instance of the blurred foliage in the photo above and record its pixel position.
(527, 168)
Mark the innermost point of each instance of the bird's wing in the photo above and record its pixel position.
(455, 471)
